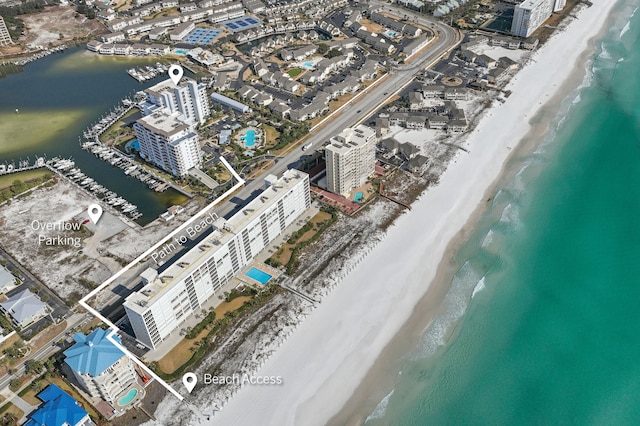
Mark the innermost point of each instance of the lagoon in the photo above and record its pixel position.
(58, 97)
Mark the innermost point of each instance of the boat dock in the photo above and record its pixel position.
(108, 198)
(21, 166)
(147, 73)
(117, 158)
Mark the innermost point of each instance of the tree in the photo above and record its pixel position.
(14, 384)
(323, 48)
(333, 53)
(33, 366)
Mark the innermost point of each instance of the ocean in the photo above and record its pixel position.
(540, 325)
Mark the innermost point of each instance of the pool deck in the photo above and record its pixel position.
(242, 277)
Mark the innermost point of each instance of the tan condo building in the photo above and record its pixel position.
(351, 159)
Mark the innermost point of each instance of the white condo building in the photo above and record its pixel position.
(351, 159)
(168, 298)
(529, 15)
(5, 37)
(168, 142)
(188, 100)
(100, 366)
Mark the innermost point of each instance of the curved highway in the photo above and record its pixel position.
(359, 108)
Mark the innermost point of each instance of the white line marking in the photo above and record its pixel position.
(114, 328)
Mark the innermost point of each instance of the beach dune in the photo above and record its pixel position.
(323, 363)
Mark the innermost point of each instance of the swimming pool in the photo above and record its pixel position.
(132, 144)
(308, 64)
(249, 138)
(390, 33)
(359, 196)
(258, 275)
(181, 52)
(128, 397)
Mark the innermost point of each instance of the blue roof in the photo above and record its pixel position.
(58, 409)
(93, 354)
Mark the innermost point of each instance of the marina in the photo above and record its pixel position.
(51, 123)
(42, 54)
(67, 168)
(122, 161)
(148, 72)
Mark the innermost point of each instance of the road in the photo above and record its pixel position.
(362, 106)
(45, 351)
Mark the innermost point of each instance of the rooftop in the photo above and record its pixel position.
(58, 409)
(224, 230)
(163, 124)
(92, 354)
(23, 306)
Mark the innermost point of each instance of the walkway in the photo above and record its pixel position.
(18, 402)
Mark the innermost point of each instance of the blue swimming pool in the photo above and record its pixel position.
(359, 196)
(390, 33)
(181, 51)
(258, 275)
(132, 144)
(128, 397)
(308, 64)
(249, 138)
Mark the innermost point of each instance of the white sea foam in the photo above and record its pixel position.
(381, 408)
(478, 288)
(488, 239)
(511, 215)
(626, 28)
(454, 306)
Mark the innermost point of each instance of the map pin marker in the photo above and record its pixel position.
(189, 380)
(175, 72)
(95, 212)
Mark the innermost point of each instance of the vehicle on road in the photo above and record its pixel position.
(306, 146)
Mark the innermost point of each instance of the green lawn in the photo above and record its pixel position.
(293, 72)
(7, 180)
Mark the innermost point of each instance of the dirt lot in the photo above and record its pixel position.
(99, 250)
(47, 27)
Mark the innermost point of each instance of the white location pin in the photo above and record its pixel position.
(189, 380)
(95, 212)
(175, 72)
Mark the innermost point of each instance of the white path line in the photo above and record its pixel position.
(114, 328)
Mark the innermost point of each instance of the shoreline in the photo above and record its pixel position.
(343, 347)
(380, 380)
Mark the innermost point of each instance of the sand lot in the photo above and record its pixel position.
(46, 27)
(72, 261)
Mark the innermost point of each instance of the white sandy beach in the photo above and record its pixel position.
(328, 356)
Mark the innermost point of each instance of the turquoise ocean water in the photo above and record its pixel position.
(542, 323)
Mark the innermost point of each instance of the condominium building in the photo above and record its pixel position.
(188, 100)
(171, 296)
(168, 142)
(5, 38)
(351, 159)
(100, 366)
(529, 15)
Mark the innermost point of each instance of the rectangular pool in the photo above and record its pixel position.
(258, 275)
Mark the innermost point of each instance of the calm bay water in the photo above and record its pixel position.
(58, 98)
(541, 323)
